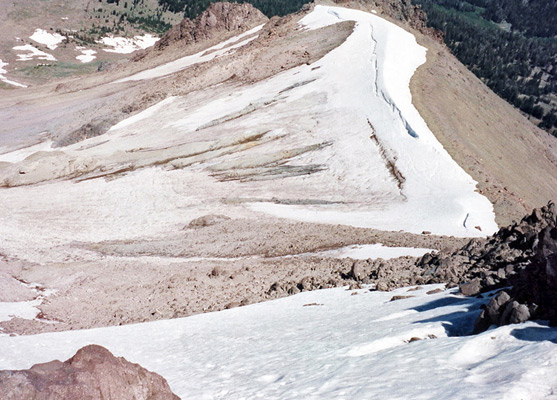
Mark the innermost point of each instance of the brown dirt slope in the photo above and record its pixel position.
(514, 162)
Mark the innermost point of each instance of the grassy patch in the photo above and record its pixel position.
(45, 72)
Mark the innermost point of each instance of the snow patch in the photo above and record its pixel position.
(21, 154)
(203, 56)
(32, 52)
(124, 45)
(6, 80)
(87, 55)
(20, 309)
(50, 40)
(374, 251)
(25, 309)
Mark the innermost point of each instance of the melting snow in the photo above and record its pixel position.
(202, 56)
(6, 80)
(32, 52)
(50, 40)
(326, 344)
(128, 45)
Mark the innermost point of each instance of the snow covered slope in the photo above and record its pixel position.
(327, 344)
(337, 141)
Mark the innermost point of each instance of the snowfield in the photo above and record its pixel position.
(374, 251)
(337, 141)
(327, 344)
(87, 55)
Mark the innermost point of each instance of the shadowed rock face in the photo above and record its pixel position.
(217, 18)
(521, 258)
(92, 373)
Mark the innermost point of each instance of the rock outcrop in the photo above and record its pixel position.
(521, 258)
(92, 373)
(219, 17)
(489, 264)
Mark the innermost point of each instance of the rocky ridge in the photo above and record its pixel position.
(218, 17)
(92, 373)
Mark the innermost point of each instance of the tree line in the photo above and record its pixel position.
(519, 67)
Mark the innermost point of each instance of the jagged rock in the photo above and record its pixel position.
(92, 373)
(399, 297)
(496, 260)
(218, 17)
(532, 275)
(490, 315)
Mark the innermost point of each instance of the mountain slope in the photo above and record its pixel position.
(514, 162)
(306, 118)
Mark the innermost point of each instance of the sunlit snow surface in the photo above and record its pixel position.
(50, 40)
(86, 56)
(327, 344)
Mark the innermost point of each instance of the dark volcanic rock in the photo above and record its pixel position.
(92, 373)
(495, 261)
(522, 257)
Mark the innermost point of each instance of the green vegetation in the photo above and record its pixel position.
(47, 71)
(517, 65)
(192, 8)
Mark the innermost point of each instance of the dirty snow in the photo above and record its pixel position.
(202, 56)
(6, 80)
(50, 40)
(326, 344)
(128, 45)
(31, 53)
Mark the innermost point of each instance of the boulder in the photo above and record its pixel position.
(92, 373)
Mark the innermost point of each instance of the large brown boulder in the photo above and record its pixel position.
(219, 17)
(92, 373)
